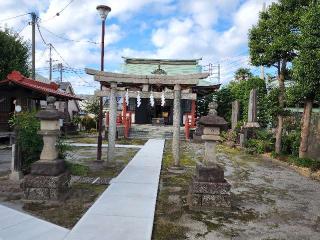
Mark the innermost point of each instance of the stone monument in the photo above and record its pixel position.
(252, 110)
(209, 190)
(248, 130)
(49, 178)
(235, 114)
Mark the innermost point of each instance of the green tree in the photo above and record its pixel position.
(243, 74)
(306, 68)
(224, 99)
(241, 91)
(92, 107)
(14, 54)
(272, 43)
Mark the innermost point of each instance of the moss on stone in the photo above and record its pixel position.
(81, 197)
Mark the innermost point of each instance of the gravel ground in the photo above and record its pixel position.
(269, 201)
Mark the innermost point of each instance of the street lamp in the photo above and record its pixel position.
(103, 11)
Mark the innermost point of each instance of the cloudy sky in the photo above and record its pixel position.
(214, 30)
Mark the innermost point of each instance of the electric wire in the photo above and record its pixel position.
(58, 13)
(68, 64)
(44, 41)
(60, 56)
(23, 28)
(21, 15)
(68, 39)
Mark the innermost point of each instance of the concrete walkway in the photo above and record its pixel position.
(125, 211)
(104, 145)
(16, 225)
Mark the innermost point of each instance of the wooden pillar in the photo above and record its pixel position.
(176, 125)
(193, 113)
(112, 121)
(124, 110)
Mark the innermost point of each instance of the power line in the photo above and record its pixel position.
(23, 28)
(21, 15)
(58, 13)
(68, 64)
(44, 41)
(43, 53)
(68, 39)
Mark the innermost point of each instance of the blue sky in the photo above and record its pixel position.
(214, 30)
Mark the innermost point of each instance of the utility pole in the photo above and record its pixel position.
(50, 62)
(33, 23)
(262, 72)
(264, 7)
(60, 67)
(219, 73)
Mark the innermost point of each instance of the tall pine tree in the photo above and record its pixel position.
(273, 43)
(306, 68)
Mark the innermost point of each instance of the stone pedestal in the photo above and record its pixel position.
(48, 188)
(209, 190)
(49, 178)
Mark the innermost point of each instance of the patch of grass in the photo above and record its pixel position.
(187, 160)
(168, 210)
(77, 169)
(314, 165)
(164, 230)
(134, 141)
(97, 189)
(80, 198)
(85, 140)
(94, 140)
(182, 180)
(108, 172)
(227, 150)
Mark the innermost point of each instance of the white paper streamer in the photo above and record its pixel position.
(138, 100)
(163, 100)
(151, 99)
(127, 97)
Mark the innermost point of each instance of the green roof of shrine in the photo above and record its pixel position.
(147, 66)
(143, 66)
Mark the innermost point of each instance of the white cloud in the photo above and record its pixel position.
(199, 36)
(193, 30)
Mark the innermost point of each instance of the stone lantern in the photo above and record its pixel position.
(209, 190)
(48, 179)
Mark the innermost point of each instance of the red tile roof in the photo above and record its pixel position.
(51, 89)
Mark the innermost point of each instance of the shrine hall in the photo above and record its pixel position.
(153, 103)
(157, 91)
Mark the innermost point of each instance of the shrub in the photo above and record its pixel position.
(229, 136)
(88, 123)
(314, 165)
(27, 126)
(256, 146)
(291, 143)
(264, 142)
(63, 147)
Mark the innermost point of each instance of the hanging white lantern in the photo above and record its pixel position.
(138, 100)
(151, 99)
(127, 97)
(163, 100)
